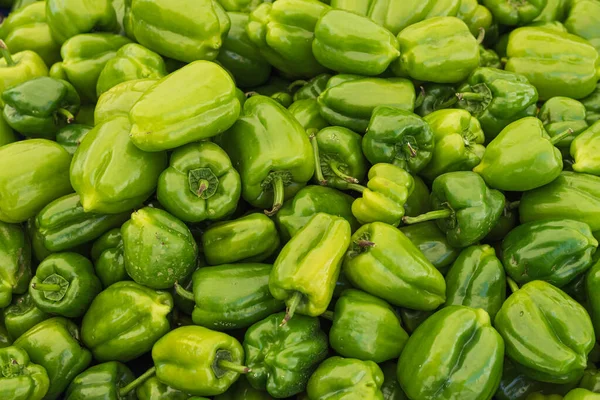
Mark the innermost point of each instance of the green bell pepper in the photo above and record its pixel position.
(107, 255)
(340, 378)
(477, 17)
(590, 380)
(515, 13)
(7, 135)
(547, 333)
(366, 327)
(351, 102)
(15, 258)
(309, 201)
(420, 46)
(54, 344)
(584, 150)
(68, 18)
(465, 209)
(241, 390)
(489, 58)
(21, 379)
(34, 172)
(282, 358)
(583, 20)
(240, 55)
(559, 114)
(153, 389)
(158, 248)
(350, 43)
(84, 57)
(555, 10)
(311, 89)
(456, 353)
(592, 283)
(107, 381)
(581, 394)
(119, 100)
(71, 136)
(271, 151)
(125, 320)
(131, 62)
(391, 387)
(198, 361)
(432, 242)
(306, 111)
(382, 261)
(22, 314)
(200, 183)
(418, 202)
(556, 63)
(399, 137)
(5, 338)
(105, 171)
(458, 140)
(27, 29)
(20, 67)
(434, 97)
(207, 106)
(283, 32)
(411, 319)
(477, 280)
(64, 284)
(592, 106)
(18, 4)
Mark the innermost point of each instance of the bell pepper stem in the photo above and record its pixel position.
(512, 284)
(250, 94)
(328, 315)
(291, 308)
(186, 294)
(365, 243)
(6, 54)
(296, 84)
(315, 146)
(413, 152)
(481, 36)
(231, 366)
(559, 137)
(340, 174)
(68, 116)
(430, 216)
(470, 96)
(513, 205)
(356, 187)
(202, 186)
(278, 195)
(420, 98)
(46, 287)
(448, 103)
(137, 382)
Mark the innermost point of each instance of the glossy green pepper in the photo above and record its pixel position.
(105, 171)
(477, 280)
(433, 97)
(5, 338)
(351, 102)
(308, 266)
(350, 43)
(583, 20)
(340, 378)
(454, 353)
(306, 111)
(515, 13)
(68, 18)
(465, 209)
(311, 89)
(153, 389)
(18, 4)
(271, 151)
(489, 58)
(125, 320)
(240, 55)
(242, 5)
(592, 283)
(284, 32)
(418, 202)
(559, 114)
(547, 333)
(391, 387)
(35, 172)
(15, 258)
(366, 327)
(7, 135)
(419, 47)
(119, 100)
(556, 63)
(296, 212)
(555, 10)
(590, 380)
(84, 57)
(477, 17)
(21, 379)
(71, 136)
(19, 68)
(107, 255)
(282, 358)
(584, 150)
(54, 344)
(131, 62)
(382, 261)
(458, 140)
(592, 106)
(200, 183)
(107, 381)
(581, 394)
(22, 315)
(432, 242)
(399, 137)
(241, 390)
(26, 29)
(413, 318)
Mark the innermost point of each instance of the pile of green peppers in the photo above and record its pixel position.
(300, 199)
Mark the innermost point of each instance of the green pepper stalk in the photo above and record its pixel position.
(512, 284)
(334, 165)
(6, 54)
(137, 382)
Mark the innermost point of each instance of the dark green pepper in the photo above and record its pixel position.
(592, 283)
(19, 68)
(310, 89)
(107, 381)
(153, 389)
(590, 380)
(71, 136)
(434, 97)
(241, 390)
(418, 201)
(432, 242)
(592, 106)
(489, 58)
(22, 315)
(5, 338)
(559, 114)
(107, 255)
(391, 387)
(15, 259)
(21, 379)
(306, 111)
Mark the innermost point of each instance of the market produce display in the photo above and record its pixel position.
(300, 199)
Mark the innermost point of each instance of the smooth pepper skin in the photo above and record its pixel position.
(458, 140)
(200, 183)
(556, 63)
(310, 89)
(583, 19)
(153, 389)
(455, 353)
(547, 333)
(21, 379)
(559, 114)
(241, 56)
(241, 390)
(581, 394)
(553, 250)
(419, 46)
(119, 100)
(432, 242)
(366, 327)
(107, 255)
(64, 284)
(590, 379)
(22, 314)
(233, 296)
(282, 358)
(418, 201)
(101, 382)
(131, 62)
(306, 111)
(15, 258)
(195, 34)
(110, 174)
(159, 249)
(125, 320)
(585, 150)
(68, 18)
(296, 212)
(592, 283)
(284, 32)
(398, 137)
(592, 106)
(350, 43)
(391, 387)
(190, 359)
(63, 224)
(206, 106)
(34, 172)
(513, 13)
(382, 261)
(340, 378)
(477, 280)
(54, 344)
(434, 97)
(71, 136)
(271, 151)
(252, 238)
(20, 67)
